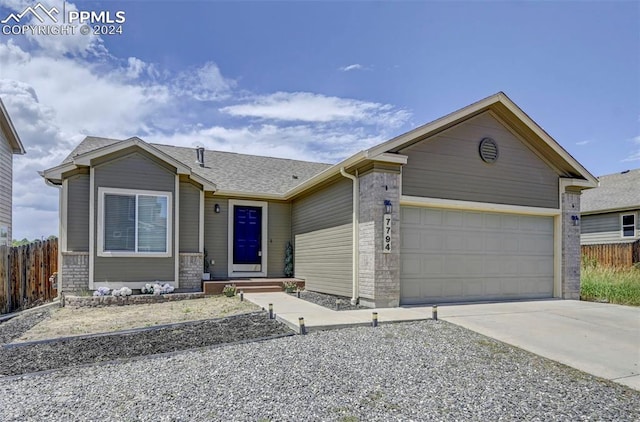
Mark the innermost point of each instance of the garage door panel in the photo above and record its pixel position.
(472, 256)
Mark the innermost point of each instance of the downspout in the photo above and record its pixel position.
(356, 249)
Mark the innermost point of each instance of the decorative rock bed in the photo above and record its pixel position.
(100, 301)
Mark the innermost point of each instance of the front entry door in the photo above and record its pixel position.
(247, 238)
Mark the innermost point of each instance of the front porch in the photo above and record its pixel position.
(250, 285)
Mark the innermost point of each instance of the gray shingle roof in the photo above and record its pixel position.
(616, 191)
(230, 171)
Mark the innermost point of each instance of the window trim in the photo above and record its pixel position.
(102, 192)
(635, 225)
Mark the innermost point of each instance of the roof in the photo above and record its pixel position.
(6, 126)
(618, 191)
(230, 172)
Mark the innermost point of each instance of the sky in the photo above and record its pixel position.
(314, 81)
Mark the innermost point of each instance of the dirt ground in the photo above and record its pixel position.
(70, 321)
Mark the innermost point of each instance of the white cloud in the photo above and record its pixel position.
(582, 143)
(310, 107)
(350, 67)
(634, 156)
(205, 83)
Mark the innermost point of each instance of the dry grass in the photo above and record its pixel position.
(71, 321)
(614, 285)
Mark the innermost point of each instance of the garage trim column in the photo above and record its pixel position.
(379, 272)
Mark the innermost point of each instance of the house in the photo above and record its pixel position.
(610, 215)
(477, 205)
(10, 144)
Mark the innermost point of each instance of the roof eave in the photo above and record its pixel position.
(489, 103)
(611, 210)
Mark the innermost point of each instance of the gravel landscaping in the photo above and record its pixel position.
(329, 301)
(21, 358)
(428, 370)
(16, 327)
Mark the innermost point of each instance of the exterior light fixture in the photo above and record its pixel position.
(216, 208)
(387, 206)
(576, 220)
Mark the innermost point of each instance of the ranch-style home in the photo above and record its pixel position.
(481, 204)
(10, 144)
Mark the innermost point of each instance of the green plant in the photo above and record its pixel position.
(288, 260)
(229, 290)
(289, 286)
(206, 261)
(614, 285)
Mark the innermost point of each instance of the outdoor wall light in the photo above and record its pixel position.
(387, 206)
(576, 220)
(216, 208)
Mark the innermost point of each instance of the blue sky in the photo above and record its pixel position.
(316, 80)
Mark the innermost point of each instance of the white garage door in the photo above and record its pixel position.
(455, 256)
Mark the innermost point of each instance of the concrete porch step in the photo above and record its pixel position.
(253, 285)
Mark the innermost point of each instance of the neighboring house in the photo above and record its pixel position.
(610, 214)
(10, 144)
(477, 205)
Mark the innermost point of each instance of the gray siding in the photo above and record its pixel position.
(6, 182)
(134, 171)
(448, 166)
(215, 234)
(605, 228)
(279, 232)
(78, 213)
(189, 218)
(321, 225)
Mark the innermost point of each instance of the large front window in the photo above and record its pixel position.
(134, 222)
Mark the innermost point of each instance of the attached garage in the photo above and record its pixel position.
(450, 255)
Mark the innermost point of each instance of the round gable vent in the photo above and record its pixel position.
(488, 150)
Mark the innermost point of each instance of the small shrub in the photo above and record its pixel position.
(229, 290)
(289, 286)
(102, 291)
(157, 289)
(124, 291)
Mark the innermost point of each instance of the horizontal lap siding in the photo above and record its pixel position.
(279, 232)
(322, 231)
(189, 218)
(6, 180)
(78, 213)
(216, 235)
(449, 166)
(605, 228)
(134, 171)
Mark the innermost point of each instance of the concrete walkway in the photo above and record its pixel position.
(600, 339)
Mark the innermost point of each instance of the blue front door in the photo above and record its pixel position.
(247, 231)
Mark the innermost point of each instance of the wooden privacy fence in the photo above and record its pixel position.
(613, 254)
(25, 273)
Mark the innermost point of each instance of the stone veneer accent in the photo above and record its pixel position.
(570, 246)
(75, 272)
(190, 271)
(101, 301)
(378, 272)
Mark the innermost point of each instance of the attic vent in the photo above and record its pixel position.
(488, 150)
(200, 156)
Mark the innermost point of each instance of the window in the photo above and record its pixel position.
(134, 223)
(628, 225)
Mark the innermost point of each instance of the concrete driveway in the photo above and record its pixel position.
(598, 338)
